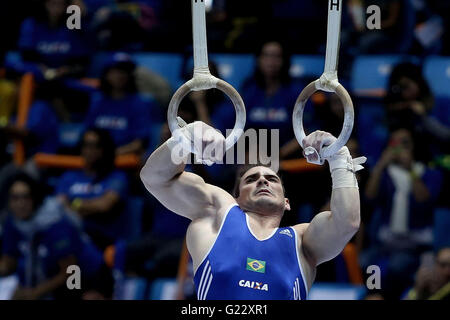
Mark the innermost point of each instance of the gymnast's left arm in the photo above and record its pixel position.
(329, 231)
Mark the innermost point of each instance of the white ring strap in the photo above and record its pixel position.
(199, 36)
(328, 82)
(203, 80)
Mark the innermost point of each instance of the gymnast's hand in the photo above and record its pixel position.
(317, 140)
(209, 143)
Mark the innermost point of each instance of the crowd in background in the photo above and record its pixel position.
(51, 218)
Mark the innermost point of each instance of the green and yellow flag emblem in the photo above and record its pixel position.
(256, 265)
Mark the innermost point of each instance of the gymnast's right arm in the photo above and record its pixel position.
(182, 192)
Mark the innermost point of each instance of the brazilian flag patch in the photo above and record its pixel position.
(256, 265)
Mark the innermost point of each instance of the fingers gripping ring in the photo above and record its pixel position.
(205, 82)
(297, 119)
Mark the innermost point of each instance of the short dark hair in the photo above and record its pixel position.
(242, 169)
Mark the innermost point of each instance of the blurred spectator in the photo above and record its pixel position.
(97, 194)
(270, 96)
(411, 104)
(442, 7)
(56, 56)
(119, 109)
(218, 24)
(41, 130)
(40, 134)
(127, 24)
(403, 192)
(49, 49)
(433, 279)
(395, 34)
(428, 30)
(157, 252)
(40, 242)
(151, 83)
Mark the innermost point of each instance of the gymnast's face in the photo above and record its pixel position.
(261, 190)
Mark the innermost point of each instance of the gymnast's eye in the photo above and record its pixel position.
(250, 179)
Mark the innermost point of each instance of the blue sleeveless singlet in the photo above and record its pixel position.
(241, 267)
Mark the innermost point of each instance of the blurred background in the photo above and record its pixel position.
(81, 110)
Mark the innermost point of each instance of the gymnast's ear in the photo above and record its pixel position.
(287, 205)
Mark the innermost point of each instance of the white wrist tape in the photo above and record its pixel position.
(178, 154)
(343, 168)
(182, 141)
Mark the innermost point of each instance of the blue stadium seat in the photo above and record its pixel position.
(441, 109)
(130, 288)
(133, 218)
(370, 73)
(163, 289)
(334, 291)
(437, 73)
(70, 134)
(168, 65)
(12, 57)
(307, 66)
(441, 227)
(234, 68)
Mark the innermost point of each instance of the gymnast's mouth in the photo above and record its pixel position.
(264, 191)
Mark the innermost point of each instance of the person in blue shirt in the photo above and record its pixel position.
(410, 103)
(403, 191)
(120, 110)
(270, 96)
(40, 242)
(48, 48)
(97, 193)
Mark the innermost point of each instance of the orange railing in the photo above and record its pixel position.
(298, 165)
(26, 92)
(44, 160)
(350, 255)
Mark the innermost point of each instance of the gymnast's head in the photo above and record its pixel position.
(260, 189)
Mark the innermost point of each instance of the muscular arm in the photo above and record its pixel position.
(184, 193)
(329, 231)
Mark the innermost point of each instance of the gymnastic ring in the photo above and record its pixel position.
(349, 115)
(206, 82)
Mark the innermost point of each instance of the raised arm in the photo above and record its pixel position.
(329, 231)
(183, 192)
